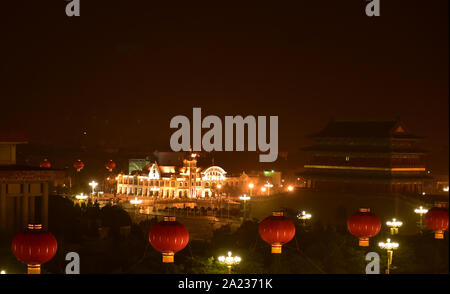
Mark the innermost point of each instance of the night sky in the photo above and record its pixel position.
(123, 69)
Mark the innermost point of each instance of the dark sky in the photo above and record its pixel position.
(123, 69)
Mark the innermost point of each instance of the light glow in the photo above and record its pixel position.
(81, 196)
(304, 215)
(421, 210)
(229, 259)
(394, 223)
(388, 245)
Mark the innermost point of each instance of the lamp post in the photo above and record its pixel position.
(81, 197)
(244, 198)
(135, 202)
(229, 260)
(420, 211)
(394, 225)
(154, 190)
(390, 247)
(251, 186)
(219, 186)
(93, 184)
(304, 217)
(268, 185)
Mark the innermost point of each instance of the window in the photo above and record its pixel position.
(347, 158)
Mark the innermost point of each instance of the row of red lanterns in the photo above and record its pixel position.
(364, 224)
(35, 246)
(79, 165)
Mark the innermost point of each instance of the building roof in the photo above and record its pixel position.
(364, 129)
(12, 137)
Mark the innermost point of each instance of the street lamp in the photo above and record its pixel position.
(420, 211)
(93, 184)
(394, 225)
(244, 198)
(390, 247)
(2, 272)
(135, 202)
(268, 185)
(251, 185)
(304, 217)
(229, 260)
(154, 190)
(290, 188)
(81, 197)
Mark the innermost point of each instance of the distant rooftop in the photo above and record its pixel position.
(364, 129)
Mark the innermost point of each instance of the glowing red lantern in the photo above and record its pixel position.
(437, 220)
(45, 163)
(276, 230)
(78, 165)
(34, 247)
(110, 165)
(364, 225)
(168, 237)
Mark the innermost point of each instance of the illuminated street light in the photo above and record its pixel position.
(135, 202)
(268, 185)
(244, 198)
(420, 211)
(390, 247)
(263, 189)
(229, 260)
(304, 217)
(394, 225)
(290, 188)
(2, 272)
(251, 185)
(93, 184)
(81, 197)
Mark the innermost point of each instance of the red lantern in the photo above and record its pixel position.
(276, 230)
(110, 165)
(78, 165)
(34, 247)
(45, 163)
(364, 225)
(168, 237)
(437, 220)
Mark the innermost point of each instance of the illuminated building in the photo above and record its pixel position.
(187, 181)
(377, 156)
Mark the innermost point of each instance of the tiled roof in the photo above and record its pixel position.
(364, 129)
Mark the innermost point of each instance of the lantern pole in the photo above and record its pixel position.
(244, 198)
(420, 211)
(229, 260)
(390, 247)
